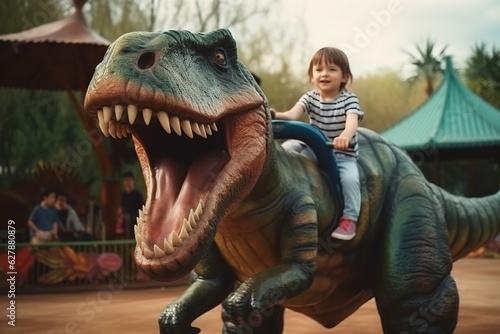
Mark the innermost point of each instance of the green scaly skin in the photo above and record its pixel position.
(257, 213)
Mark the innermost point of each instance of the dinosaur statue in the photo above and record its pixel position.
(250, 219)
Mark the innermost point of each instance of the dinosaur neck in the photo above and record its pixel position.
(265, 196)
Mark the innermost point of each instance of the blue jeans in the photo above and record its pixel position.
(349, 178)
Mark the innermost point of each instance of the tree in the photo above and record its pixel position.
(427, 64)
(114, 18)
(39, 127)
(205, 15)
(482, 72)
(31, 123)
(20, 15)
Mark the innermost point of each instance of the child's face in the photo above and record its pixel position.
(327, 78)
(50, 200)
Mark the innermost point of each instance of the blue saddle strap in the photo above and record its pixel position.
(322, 148)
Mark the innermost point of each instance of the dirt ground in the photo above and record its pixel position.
(136, 311)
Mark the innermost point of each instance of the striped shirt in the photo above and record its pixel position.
(330, 116)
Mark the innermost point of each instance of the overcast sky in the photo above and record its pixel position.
(374, 32)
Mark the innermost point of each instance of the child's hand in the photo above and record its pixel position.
(341, 143)
(273, 113)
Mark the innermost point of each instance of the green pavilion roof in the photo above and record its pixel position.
(453, 117)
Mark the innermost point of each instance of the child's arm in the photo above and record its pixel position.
(351, 125)
(32, 226)
(54, 231)
(289, 115)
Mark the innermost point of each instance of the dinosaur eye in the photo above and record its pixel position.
(219, 57)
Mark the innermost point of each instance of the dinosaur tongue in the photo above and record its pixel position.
(178, 188)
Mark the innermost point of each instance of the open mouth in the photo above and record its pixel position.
(193, 169)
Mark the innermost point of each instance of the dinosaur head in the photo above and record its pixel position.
(199, 123)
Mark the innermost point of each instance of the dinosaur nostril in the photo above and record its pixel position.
(146, 60)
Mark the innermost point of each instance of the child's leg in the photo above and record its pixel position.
(349, 178)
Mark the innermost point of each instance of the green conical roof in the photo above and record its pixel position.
(452, 117)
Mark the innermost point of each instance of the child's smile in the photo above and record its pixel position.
(327, 78)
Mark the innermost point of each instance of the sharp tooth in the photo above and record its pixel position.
(107, 113)
(118, 130)
(176, 125)
(138, 238)
(208, 130)
(146, 114)
(214, 127)
(184, 235)
(112, 129)
(196, 128)
(167, 247)
(142, 215)
(140, 223)
(144, 209)
(132, 113)
(100, 117)
(136, 231)
(176, 240)
(199, 209)
(186, 126)
(104, 128)
(192, 219)
(124, 130)
(187, 226)
(165, 123)
(119, 111)
(203, 133)
(194, 214)
(158, 251)
(148, 253)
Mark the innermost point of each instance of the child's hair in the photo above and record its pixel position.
(330, 55)
(46, 193)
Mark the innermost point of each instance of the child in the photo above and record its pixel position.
(336, 112)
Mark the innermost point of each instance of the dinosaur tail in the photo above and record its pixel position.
(471, 222)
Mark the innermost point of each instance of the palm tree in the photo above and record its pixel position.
(482, 72)
(427, 64)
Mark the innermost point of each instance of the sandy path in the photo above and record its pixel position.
(136, 311)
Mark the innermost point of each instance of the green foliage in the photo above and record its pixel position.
(278, 57)
(35, 126)
(482, 72)
(20, 15)
(427, 64)
(113, 18)
(386, 98)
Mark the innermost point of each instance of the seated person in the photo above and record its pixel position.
(70, 227)
(43, 219)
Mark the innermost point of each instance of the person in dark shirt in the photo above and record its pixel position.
(70, 226)
(131, 202)
(43, 219)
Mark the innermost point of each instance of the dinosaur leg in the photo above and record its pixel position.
(255, 306)
(414, 290)
(212, 282)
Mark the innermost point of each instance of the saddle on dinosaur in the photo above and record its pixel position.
(249, 219)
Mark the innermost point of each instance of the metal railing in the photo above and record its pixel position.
(61, 266)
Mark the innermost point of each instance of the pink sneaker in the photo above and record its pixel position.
(346, 229)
